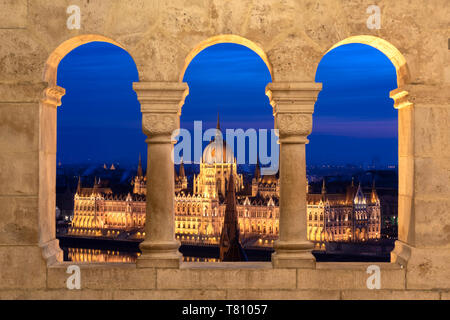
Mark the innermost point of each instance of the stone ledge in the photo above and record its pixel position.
(106, 276)
(389, 295)
(226, 279)
(59, 294)
(169, 294)
(283, 294)
(332, 279)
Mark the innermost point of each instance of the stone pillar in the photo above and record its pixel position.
(161, 106)
(293, 105)
(47, 173)
(423, 246)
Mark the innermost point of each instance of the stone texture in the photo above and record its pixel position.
(226, 279)
(20, 127)
(169, 294)
(349, 277)
(22, 267)
(428, 269)
(430, 140)
(283, 294)
(120, 276)
(389, 295)
(18, 220)
(19, 172)
(13, 14)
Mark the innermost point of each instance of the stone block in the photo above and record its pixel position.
(431, 177)
(348, 276)
(20, 127)
(13, 14)
(432, 131)
(428, 269)
(23, 58)
(22, 267)
(104, 277)
(19, 220)
(60, 294)
(226, 279)
(432, 222)
(19, 172)
(169, 294)
(283, 294)
(390, 295)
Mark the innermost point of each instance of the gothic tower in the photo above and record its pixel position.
(230, 245)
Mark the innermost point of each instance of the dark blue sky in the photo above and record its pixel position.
(100, 121)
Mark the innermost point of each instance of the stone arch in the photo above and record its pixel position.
(405, 136)
(226, 38)
(52, 63)
(47, 136)
(388, 49)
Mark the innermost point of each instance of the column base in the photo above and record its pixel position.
(159, 255)
(401, 253)
(51, 252)
(293, 255)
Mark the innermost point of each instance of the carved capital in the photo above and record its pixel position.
(293, 124)
(160, 124)
(401, 98)
(53, 95)
(293, 105)
(161, 104)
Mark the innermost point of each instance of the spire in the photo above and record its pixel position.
(257, 169)
(96, 185)
(374, 196)
(218, 121)
(79, 185)
(359, 197)
(182, 174)
(230, 245)
(139, 170)
(324, 189)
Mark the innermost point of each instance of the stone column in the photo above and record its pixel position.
(47, 173)
(423, 246)
(160, 106)
(293, 105)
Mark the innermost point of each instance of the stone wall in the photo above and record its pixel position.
(162, 36)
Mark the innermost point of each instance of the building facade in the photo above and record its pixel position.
(199, 213)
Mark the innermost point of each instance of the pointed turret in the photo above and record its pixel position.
(182, 173)
(218, 122)
(96, 186)
(359, 199)
(374, 195)
(139, 170)
(230, 245)
(324, 188)
(257, 170)
(79, 185)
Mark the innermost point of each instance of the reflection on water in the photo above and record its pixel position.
(114, 256)
(98, 255)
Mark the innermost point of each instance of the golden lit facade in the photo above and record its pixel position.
(199, 215)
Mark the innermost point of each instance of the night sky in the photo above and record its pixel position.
(354, 120)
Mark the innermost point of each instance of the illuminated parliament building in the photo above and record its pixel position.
(353, 216)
